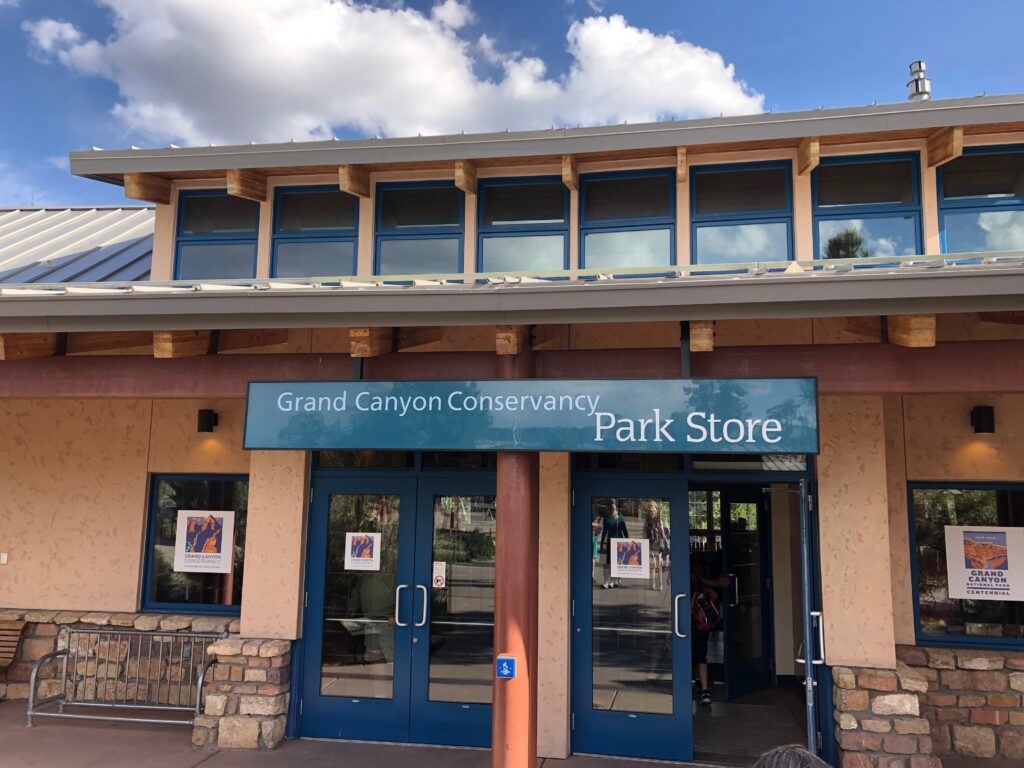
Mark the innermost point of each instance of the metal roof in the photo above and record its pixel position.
(75, 245)
(901, 116)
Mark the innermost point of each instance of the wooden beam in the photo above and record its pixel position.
(863, 328)
(147, 187)
(702, 335)
(1002, 318)
(248, 184)
(25, 346)
(411, 339)
(570, 172)
(511, 339)
(549, 337)
(944, 145)
(682, 169)
(911, 330)
(465, 176)
(242, 338)
(106, 341)
(370, 342)
(354, 180)
(168, 345)
(808, 154)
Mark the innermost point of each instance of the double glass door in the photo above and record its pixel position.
(399, 622)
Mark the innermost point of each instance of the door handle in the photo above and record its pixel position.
(675, 618)
(735, 590)
(426, 597)
(821, 637)
(398, 600)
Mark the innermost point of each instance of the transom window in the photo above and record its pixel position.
(216, 236)
(866, 206)
(314, 232)
(627, 219)
(419, 228)
(523, 225)
(741, 214)
(981, 201)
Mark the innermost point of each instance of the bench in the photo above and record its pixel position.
(123, 676)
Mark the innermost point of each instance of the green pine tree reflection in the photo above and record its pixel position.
(847, 244)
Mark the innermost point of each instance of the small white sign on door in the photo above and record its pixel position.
(362, 551)
(440, 576)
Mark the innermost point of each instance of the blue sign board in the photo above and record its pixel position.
(651, 415)
(505, 668)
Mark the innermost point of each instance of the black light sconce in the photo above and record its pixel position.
(983, 419)
(206, 420)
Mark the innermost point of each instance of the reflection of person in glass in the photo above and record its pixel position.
(595, 537)
(704, 601)
(657, 536)
(613, 527)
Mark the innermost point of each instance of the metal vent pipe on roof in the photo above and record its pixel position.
(920, 87)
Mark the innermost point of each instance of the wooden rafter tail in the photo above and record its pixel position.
(511, 339)
(570, 172)
(247, 184)
(354, 180)
(147, 187)
(682, 167)
(27, 346)
(702, 335)
(911, 330)
(168, 345)
(808, 154)
(944, 145)
(371, 342)
(465, 176)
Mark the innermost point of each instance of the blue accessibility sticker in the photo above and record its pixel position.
(505, 668)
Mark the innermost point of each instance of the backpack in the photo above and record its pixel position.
(704, 609)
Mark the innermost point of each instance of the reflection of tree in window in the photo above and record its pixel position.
(847, 244)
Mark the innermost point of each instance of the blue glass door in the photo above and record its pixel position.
(631, 693)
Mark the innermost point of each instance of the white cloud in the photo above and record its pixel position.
(196, 72)
(60, 162)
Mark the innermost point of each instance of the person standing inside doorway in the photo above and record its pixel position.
(613, 527)
(656, 533)
(705, 618)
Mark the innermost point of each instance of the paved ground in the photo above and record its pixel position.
(78, 744)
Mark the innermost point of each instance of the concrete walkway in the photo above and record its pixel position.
(82, 744)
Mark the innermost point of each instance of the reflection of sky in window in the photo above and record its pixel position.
(515, 254)
(644, 248)
(975, 231)
(411, 257)
(885, 236)
(742, 243)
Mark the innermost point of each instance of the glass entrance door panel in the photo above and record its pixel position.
(631, 619)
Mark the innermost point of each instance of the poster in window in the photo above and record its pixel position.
(985, 562)
(362, 551)
(204, 541)
(630, 559)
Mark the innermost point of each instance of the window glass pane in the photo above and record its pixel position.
(742, 243)
(642, 248)
(216, 260)
(524, 204)
(312, 211)
(940, 614)
(873, 236)
(316, 258)
(541, 253)
(705, 533)
(650, 462)
(768, 462)
(218, 214)
(364, 459)
(419, 257)
(208, 494)
(866, 183)
(459, 460)
(976, 231)
(427, 207)
(1000, 175)
(628, 198)
(762, 189)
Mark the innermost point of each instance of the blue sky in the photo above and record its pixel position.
(150, 72)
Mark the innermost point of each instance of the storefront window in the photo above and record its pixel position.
(314, 232)
(419, 229)
(627, 219)
(981, 201)
(972, 527)
(172, 585)
(216, 236)
(523, 225)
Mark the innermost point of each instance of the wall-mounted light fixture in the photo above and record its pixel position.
(206, 420)
(983, 419)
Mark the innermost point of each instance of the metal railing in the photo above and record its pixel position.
(145, 675)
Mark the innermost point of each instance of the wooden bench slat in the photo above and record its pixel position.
(13, 625)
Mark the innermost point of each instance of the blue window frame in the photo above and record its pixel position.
(419, 228)
(938, 618)
(741, 213)
(216, 236)
(165, 590)
(523, 225)
(867, 206)
(315, 232)
(628, 219)
(981, 200)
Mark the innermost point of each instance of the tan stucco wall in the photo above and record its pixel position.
(176, 446)
(275, 541)
(553, 622)
(853, 514)
(899, 537)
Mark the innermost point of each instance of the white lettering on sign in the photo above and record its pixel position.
(706, 429)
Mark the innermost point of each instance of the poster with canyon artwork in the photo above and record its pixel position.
(985, 562)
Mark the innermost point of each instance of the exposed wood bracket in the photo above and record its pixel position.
(106, 341)
(354, 180)
(865, 328)
(511, 339)
(808, 154)
(547, 337)
(24, 346)
(1003, 318)
(147, 187)
(173, 344)
(911, 330)
(682, 169)
(702, 335)
(412, 339)
(247, 339)
(248, 184)
(370, 342)
(570, 172)
(465, 176)
(944, 145)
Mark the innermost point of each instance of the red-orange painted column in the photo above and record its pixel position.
(514, 727)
